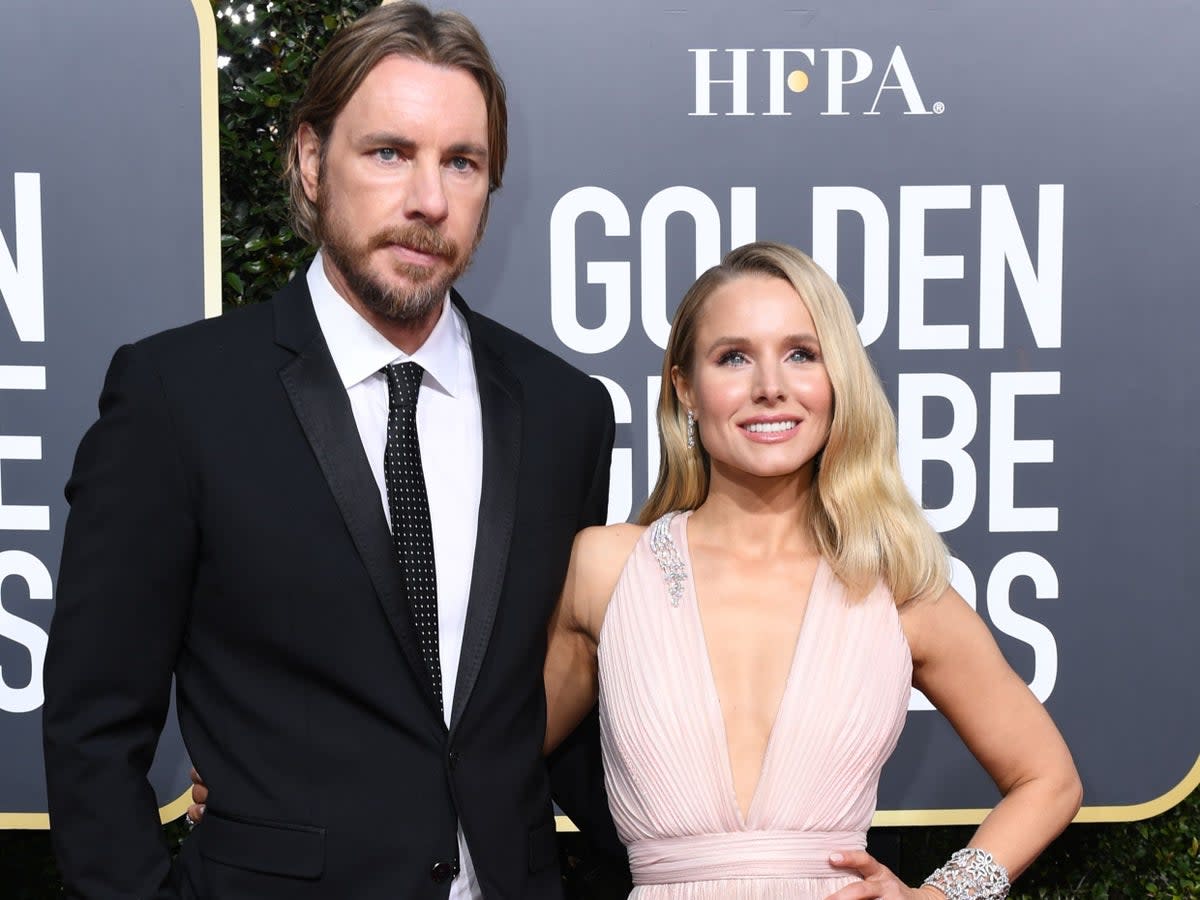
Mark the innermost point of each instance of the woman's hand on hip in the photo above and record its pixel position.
(878, 881)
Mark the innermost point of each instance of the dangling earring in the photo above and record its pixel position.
(691, 429)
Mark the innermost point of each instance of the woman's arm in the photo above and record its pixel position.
(959, 667)
(957, 664)
(597, 558)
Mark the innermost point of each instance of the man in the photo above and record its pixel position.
(352, 595)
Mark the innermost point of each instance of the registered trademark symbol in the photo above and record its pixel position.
(938, 108)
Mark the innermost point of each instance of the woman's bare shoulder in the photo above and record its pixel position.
(600, 552)
(939, 622)
(597, 560)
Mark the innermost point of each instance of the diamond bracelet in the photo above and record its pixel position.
(971, 874)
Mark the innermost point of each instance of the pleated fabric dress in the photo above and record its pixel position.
(666, 757)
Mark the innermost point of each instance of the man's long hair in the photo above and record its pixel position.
(397, 29)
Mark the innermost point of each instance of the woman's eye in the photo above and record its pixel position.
(731, 358)
(802, 354)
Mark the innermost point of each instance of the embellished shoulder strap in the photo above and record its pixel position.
(662, 545)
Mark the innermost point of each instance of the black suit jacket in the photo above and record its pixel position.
(225, 528)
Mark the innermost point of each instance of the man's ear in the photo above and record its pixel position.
(308, 149)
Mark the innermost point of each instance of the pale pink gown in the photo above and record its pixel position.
(666, 758)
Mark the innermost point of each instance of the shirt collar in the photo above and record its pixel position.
(359, 351)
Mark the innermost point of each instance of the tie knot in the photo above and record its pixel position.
(404, 381)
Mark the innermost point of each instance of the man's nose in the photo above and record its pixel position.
(426, 198)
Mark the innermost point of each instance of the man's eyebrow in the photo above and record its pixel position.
(387, 139)
(392, 139)
(468, 149)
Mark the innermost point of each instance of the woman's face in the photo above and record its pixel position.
(758, 385)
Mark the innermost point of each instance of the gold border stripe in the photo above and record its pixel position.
(210, 157)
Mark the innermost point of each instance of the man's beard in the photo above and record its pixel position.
(426, 287)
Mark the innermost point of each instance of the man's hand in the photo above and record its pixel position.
(195, 812)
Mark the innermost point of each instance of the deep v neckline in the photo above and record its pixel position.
(713, 698)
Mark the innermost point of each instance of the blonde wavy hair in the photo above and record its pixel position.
(861, 515)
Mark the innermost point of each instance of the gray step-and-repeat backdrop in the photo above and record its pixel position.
(1007, 192)
(109, 231)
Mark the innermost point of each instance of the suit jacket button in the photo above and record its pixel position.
(452, 759)
(442, 871)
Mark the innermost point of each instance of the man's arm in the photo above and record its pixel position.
(124, 582)
(576, 772)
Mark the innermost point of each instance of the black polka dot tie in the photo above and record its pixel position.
(408, 503)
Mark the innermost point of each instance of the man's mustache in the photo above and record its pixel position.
(417, 236)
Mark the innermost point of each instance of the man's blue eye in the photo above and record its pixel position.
(387, 154)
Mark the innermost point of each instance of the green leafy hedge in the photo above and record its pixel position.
(266, 55)
(269, 54)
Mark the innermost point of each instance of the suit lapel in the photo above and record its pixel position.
(320, 403)
(500, 403)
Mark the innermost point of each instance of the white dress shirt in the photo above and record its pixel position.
(450, 431)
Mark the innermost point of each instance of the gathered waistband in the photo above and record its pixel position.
(740, 854)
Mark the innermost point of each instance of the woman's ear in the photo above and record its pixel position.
(683, 389)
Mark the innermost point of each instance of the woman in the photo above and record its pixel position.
(752, 641)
